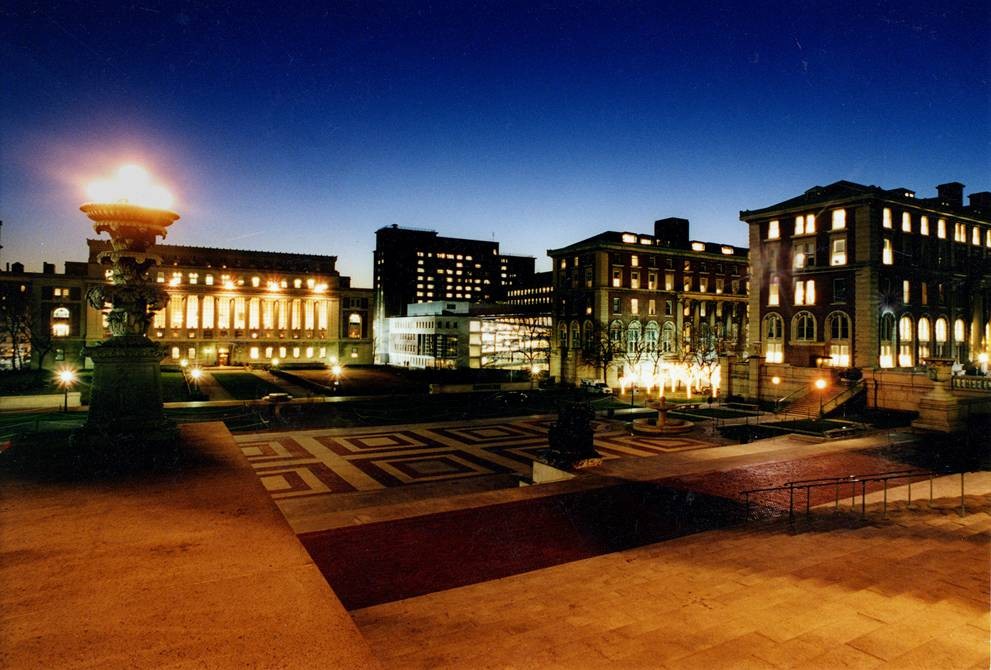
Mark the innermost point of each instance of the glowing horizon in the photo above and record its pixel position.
(133, 185)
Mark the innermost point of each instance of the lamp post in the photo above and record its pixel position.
(66, 378)
(196, 374)
(821, 385)
(125, 409)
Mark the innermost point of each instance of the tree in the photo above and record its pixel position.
(518, 342)
(600, 347)
(15, 319)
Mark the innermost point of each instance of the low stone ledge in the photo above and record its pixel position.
(191, 567)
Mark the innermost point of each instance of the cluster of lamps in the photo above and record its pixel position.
(692, 377)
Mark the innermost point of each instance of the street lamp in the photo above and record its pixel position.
(196, 373)
(66, 378)
(821, 385)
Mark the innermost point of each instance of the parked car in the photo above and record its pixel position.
(510, 398)
(595, 387)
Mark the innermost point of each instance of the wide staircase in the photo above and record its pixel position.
(809, 404)
(896, 587)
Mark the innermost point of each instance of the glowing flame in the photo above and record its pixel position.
(132, 184)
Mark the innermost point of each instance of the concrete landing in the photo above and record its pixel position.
(190, 568)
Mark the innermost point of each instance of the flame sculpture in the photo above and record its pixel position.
(126, 398)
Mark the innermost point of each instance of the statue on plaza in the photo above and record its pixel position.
(571, 437)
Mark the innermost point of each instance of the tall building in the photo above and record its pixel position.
(226, 307)
(417, 266)
(624, 302)
(847, 275)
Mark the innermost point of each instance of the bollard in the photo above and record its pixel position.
(884, 504)
(962, 510)
(791, 504)
(910, 493)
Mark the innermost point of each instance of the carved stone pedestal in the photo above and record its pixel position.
(939, 409)
(125, 410)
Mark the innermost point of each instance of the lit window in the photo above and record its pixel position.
(617, 278)
(176, 279)
(297, 283)
(209, 280)
(309, 352)
(703, 284)
(175, 353)
(959, 232)
(987, 238)
(886, 217)
(774, 338)
(194, 277)
(698, 246)
(160, 278)
(311, 283)
(773, 292)
(60, 329)
(805, 225)
(906, 222)
(887, 253)
(295, 352)
(773, 230)
(975, 237)
(635, 279)
(923, 225)
(941, 228)
(906, 291)
(905, 330)
(629, 238)
(839, 219)
(253, 353)
(838, 255)
(727, 251)
(634, 306)
(634, 260)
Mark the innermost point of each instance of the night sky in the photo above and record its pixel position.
(302, 129)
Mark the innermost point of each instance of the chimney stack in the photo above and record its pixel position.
(981, 201)
(672, 231)
(951, 194)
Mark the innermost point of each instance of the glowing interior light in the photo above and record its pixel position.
(132, 184)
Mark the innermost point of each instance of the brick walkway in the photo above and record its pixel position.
(904, 593)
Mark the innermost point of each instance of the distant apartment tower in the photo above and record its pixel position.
(417, 266)
(847, 275)
(623, 301)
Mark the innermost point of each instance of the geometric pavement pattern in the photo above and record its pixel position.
(334, 460)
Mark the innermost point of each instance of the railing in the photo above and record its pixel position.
(971, 383)
(800, 392)
(843, 396)
(852, 481)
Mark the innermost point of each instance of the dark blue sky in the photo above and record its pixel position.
(301, 129)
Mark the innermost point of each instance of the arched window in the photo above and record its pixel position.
(354, 326)
(941, 337)
(774, 334)
(667, 337)
(803, 327)
(838, 327)
(707, 340)
(588, 333)
(616, 331)
(886, 332)
(905, 349)
(650, 336)
(959, 340)
(576, 335)
(562, 335)
(633, 333)
(925, 335)
(192, 311)
(60, 313)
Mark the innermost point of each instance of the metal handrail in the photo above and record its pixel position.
(853, 480)
(849, 392)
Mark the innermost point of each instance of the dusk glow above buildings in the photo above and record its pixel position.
(531, 125)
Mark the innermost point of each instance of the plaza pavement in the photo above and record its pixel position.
(907, 592)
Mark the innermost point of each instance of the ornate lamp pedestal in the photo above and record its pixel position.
(126, 398)
(939, 409)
